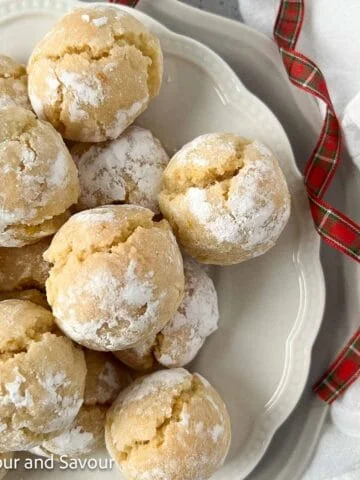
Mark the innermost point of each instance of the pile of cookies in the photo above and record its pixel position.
(103, 298)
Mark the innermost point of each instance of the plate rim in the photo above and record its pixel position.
(257, 444)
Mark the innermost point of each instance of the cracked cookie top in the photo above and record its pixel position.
(125, 170)
(42, 376)
(181, 339)
(168, 425)
(94, 73)
(13, 84)
(225, 197)
(39, 178)
(117, 276)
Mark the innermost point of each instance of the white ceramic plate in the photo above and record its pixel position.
(271, 307)
(257, 61)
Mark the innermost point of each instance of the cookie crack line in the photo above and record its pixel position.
(177, 405)
(30, 340)
(118, 40)
(59, 104)
(215, 179)
(117, 241)
(25, 226)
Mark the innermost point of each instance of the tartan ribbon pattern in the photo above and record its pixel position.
(334, 227)
(342, 373)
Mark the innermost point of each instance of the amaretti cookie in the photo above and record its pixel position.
(24, 268)
(42, 378)
(94, 73)
(117, 277)
(126, 170)
(39, 178)
(105, 379)
(181, 339)
(13, 84)
(168, 425)
(226, 198)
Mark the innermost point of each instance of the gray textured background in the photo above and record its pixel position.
(228, 8)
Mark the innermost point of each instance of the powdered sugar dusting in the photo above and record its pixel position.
(37, 104)
(196, 319)
(153, 474)
(184, 419)
(216, 432)
(125, 308)
(126, 169)
(17, 394)
(249, 215)
(85, 18)
(263, 149)
(34, 177)
(125, 117)
(59, 170)
(151, 384)
(73, 441)
(136, 292)
(100, 215)
(215, 219)
(53, 85)
(189, 153)
(65, 407)
(100, 22)
(28, 157)
(86, 90)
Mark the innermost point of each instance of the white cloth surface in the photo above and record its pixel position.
(330, 37)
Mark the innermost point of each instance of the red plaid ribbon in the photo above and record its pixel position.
(342, 373)
(334, 227)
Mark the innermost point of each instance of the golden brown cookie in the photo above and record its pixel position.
(126, 170)
(170, 424)
(117, 277)
(94, 73)
(226, 198)
(39, 178)
(42, 376)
